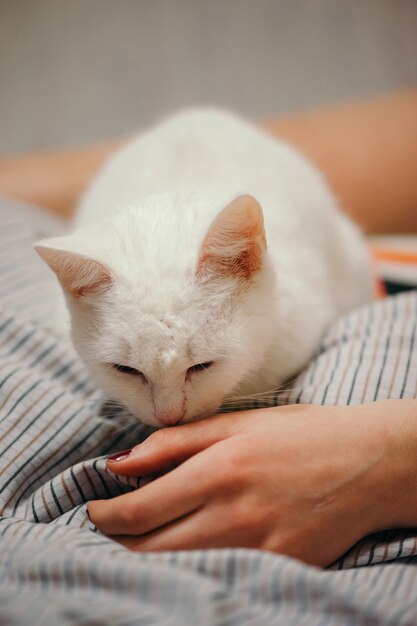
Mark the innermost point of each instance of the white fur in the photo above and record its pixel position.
(145, 217)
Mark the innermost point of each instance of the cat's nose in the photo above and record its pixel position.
(169, 418)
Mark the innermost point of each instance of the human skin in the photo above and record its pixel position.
(305, 481)
(367, 150)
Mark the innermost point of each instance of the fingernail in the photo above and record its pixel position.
(90, 522)
(120, 456)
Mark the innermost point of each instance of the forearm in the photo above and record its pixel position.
(392, 426)
(54, 180)
(368, 153)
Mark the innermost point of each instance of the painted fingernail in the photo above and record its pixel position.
(120, 456)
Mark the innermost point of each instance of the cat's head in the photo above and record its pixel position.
(169, 333)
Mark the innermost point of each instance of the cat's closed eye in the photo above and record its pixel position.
(199, 367)
(125, 369)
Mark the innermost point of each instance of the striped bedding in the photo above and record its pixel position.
(55, 432)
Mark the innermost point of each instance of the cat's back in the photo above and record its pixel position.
(204, 149)
(210, 150)
(163, 182)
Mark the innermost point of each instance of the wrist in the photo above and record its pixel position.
(390, 489)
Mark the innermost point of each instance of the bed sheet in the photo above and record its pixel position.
(56, 431)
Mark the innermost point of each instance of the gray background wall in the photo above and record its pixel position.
(74, 71)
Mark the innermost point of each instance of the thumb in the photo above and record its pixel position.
(171, 446)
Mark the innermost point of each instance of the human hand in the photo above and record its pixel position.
(306, 481)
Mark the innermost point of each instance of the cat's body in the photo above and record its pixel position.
(160, 277)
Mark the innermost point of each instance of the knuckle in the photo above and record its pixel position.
(240, 517)
(129, 514)
(155, 438)
(245, 517)
(275, 542)
(239, 457)
(159, 440)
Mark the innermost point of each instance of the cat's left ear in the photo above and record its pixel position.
(235, 242)
(79, 275)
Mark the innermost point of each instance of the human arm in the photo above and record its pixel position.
(53, 180)
(367, 151)
(304, 480)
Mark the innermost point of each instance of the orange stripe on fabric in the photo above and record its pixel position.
(45, 504)
(395, 256)
(67, 491)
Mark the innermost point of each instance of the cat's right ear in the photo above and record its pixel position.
(79, 275)
(235, 243)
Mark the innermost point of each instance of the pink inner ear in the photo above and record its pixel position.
(80, 276)
(88, 278)
(235, 241)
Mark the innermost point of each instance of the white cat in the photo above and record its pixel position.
(178, 297)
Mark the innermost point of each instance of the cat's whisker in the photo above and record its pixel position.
(259, 396)
(252, 406)
(276, 394)
(256, 403)
(132, 428)
(243, 407)
(285, 388)
(263, 397)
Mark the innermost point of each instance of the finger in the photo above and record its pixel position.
(172, 446)
(167, 498)
(186, 533)
(202, 529)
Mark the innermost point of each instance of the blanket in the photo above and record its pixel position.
(56, 431)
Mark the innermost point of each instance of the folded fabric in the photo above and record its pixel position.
(55, 433)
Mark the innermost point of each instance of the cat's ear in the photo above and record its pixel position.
(235, 242)
(78, 274)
